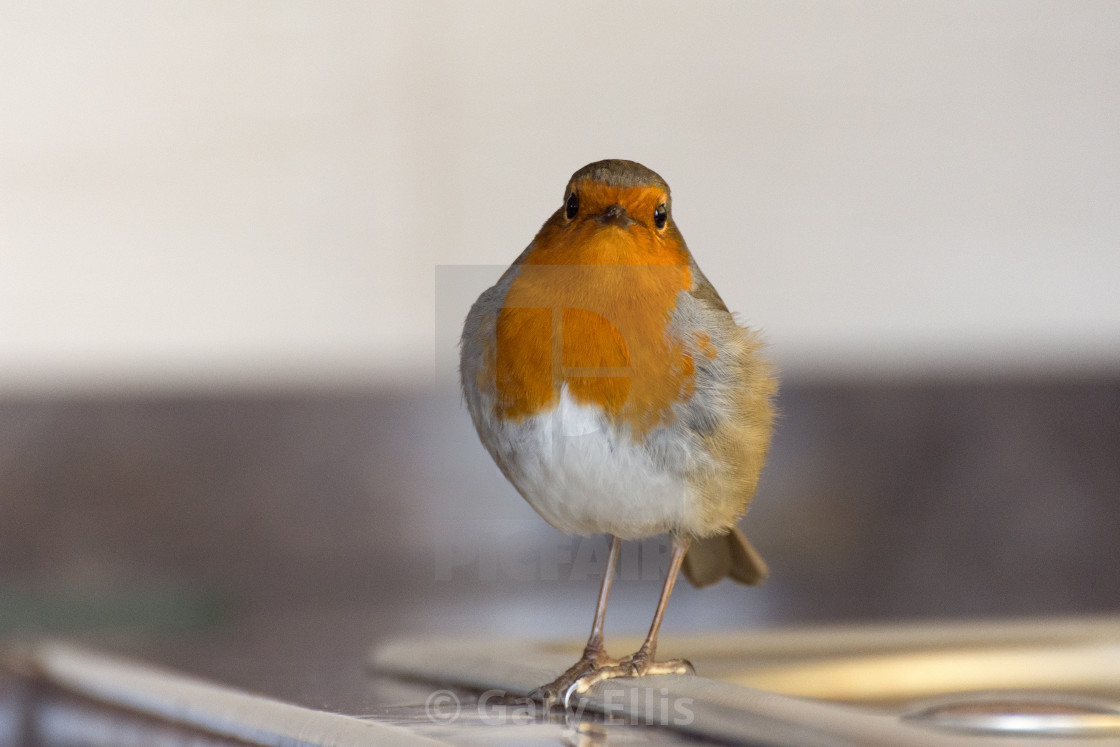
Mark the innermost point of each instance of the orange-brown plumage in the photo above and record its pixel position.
(604, 294)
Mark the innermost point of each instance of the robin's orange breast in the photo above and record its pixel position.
(590, 309)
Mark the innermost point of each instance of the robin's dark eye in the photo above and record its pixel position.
(660, 215)
(572, 206)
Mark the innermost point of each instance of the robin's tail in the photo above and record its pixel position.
(711, 558)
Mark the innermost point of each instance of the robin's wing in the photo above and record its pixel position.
(731, 416)
(712, 558)
(704, 291)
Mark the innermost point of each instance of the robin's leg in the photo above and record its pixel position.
(641, 662)
(594, 654)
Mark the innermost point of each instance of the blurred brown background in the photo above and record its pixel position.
(898, 499)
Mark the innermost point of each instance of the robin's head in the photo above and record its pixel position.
(614, 200)
(618, 192)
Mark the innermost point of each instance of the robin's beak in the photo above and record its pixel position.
(617, 215)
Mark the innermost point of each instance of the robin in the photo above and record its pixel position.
(614, 389)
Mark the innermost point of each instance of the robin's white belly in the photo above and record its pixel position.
(586, 477)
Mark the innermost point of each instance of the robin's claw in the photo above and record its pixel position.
(572, 688)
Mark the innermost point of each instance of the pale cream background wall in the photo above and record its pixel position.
(260, 193)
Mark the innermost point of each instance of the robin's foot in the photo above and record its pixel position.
(590, 671)
(592, 660)
(639, 664)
